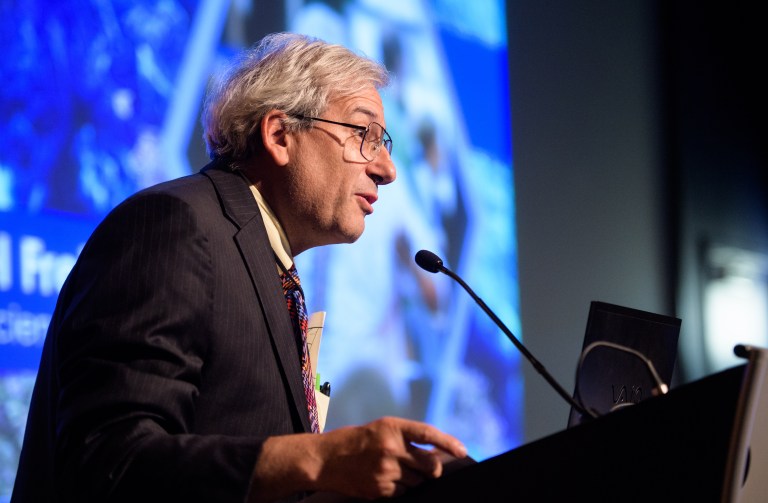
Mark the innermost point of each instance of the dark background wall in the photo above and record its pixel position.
(637, 133)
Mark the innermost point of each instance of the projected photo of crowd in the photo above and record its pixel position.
(102, 98)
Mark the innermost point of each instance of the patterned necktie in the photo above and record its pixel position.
(294, 297)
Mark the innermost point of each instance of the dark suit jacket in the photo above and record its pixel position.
(170, 356)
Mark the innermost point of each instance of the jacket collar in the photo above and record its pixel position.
(239, 206)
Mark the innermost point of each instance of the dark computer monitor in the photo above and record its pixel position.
(622, 349)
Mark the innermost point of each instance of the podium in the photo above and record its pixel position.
(703, 441)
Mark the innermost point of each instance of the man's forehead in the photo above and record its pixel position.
(367, 102)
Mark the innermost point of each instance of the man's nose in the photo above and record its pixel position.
(382, 170)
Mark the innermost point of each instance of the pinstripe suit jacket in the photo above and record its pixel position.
(170, 356)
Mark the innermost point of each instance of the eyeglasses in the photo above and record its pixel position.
(374, 136)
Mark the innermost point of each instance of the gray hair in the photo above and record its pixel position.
(293, 73)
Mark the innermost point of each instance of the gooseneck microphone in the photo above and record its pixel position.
(432, 263)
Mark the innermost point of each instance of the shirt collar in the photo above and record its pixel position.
(277, 238)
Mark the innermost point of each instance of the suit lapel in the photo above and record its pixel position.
(240, 206)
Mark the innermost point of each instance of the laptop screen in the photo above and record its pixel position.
(622, 349)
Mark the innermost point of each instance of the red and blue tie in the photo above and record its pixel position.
(294, 297)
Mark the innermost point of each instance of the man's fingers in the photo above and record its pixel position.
(422, 433)
(426, 462)
(411, 477)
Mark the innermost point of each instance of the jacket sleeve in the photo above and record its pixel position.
(131, 332)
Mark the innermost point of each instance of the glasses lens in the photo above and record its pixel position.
(375, 138)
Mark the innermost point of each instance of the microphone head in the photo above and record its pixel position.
(742, 351)
(429, 261)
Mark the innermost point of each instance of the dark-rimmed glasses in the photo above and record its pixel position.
(374, 136)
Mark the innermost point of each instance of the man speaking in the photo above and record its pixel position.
(176, 366)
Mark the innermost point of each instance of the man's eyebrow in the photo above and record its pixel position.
(367, 111)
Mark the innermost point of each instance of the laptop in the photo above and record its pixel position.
(627, 356)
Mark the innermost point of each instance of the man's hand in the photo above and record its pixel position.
(378, 459)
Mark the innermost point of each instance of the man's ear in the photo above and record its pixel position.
(275, 137)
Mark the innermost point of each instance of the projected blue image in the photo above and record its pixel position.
(102, 98)
(87, 89)
(413, 332)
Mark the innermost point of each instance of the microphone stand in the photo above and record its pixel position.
(432, 263)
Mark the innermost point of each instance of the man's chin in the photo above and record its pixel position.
(351, 235)
(351, 238)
